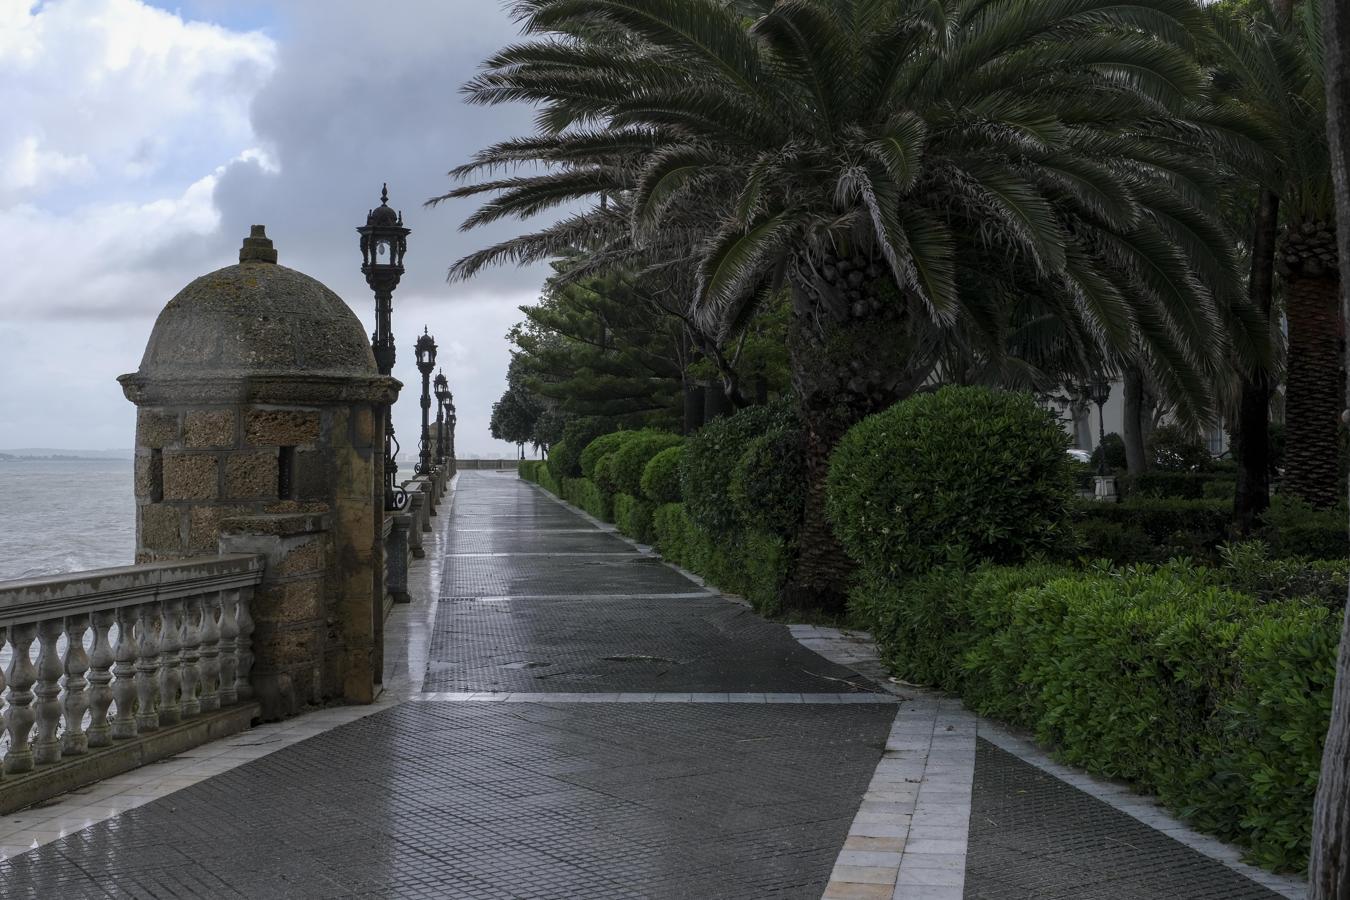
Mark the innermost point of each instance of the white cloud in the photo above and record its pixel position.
(139, 146)
(28, 165)
(119, 91)
(123, 117)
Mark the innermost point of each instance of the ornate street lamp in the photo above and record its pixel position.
(1099, 391)
(442, 397)
(450, 431)
(383, 243)
(425, 351)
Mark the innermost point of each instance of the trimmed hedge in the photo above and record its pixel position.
(537, 470)
(710, 460)
(1165, 676)
(1152, 529)
(661, 478)
(562, 460)
(601, 447)
(754, 566)
(1179, 485)
(583, 493)
(629, 462)
(768, 483)
(1296, 529)
(963, 472)
(564, 457)
(633, 515)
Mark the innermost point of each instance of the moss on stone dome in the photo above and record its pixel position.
(257, 318)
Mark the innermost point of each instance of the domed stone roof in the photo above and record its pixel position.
(257, 319)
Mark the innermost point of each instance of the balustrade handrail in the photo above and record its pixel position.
(121, 653)
(94, 590)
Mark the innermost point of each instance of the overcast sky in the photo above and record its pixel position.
(141, 139)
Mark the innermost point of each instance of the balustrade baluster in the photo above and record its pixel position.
(147, 667)
(75, 702)
(170, 681)
(46, 743)
(124, 673)
(19, 715)
(190, 640)
(243, 688)
(210, 652)
(100, 679)
(4, 637)
(229, 642)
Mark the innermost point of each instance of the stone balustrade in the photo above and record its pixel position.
(111, 668)
(498, 464)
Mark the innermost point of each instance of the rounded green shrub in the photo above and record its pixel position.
(560, 457)
(661, 477)
(710, 459)
(602, 475)
(629, 461)
(1113, 445)
(599, 448)
(1175, 450)
(564, 457)
(964, 472)
(768, 484)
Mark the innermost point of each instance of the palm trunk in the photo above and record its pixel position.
(1133, 428)
(1252, 432)
(1329, 868)
(1314, 392)
(844, 368)
(693, 406)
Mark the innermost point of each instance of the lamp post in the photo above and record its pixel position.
(450, 430)
(1099, 391)
(425, 350)
(383, 243)
(442, 397)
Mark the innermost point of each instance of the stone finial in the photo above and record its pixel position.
(257, 246)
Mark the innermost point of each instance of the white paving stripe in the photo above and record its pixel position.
(638, 697)
(628, 553)
(909, 838)
(685, 595)
(856, 647)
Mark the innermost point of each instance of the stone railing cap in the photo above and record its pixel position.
(281, 524)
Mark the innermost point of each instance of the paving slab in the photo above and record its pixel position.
(1032, 835)
(730, 766)
(493, 800)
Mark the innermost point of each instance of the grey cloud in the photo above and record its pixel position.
(360, 97)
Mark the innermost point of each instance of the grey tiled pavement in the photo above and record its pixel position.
(549, 798)
(539, 799)
(1033, 836)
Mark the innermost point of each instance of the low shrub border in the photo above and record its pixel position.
(1166, 676)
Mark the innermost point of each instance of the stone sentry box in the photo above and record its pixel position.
(257, 402)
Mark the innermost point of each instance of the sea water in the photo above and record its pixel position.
(59, 515)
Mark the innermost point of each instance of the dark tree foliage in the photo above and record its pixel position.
(877, 158)
(595, 349)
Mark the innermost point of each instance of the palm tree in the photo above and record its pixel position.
(903, 166)
(1270, 57)
(1329, 866)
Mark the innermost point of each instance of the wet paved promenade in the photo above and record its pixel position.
(566, 716)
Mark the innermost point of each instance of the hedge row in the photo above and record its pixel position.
(1169, 677)
(1156, 529)
(742, 472)
(754, 565)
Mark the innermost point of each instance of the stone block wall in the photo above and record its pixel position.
(292, 627)
(212, 475)
(198, 465)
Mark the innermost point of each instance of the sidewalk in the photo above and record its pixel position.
(566, 716)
